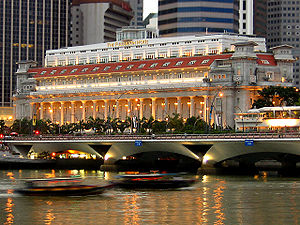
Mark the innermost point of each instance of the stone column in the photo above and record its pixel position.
(94, 109)
(31, 105)
(129, 108)
(166, 109)
(83, 110)
(42, 111)
(72, 112)
(153, 107)
(105, 109)
(205, 109)
(192, 107)
(179, 105)
(51, 112)
(141, 109)
(117, 109)
(62, 120)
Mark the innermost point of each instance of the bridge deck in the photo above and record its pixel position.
(158, 138)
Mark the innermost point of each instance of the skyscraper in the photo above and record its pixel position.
(284, 28)
(29, 28)
(137, 7)
(253, 17)
(96, 21)
(184, 17)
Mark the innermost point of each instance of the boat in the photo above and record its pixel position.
(153, 181)
(64, 186)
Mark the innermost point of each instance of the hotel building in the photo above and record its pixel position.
(191, 76)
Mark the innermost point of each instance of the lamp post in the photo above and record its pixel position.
(220, 94)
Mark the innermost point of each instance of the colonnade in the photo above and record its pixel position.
(62, 112)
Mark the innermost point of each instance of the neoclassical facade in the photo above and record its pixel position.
(213, 86)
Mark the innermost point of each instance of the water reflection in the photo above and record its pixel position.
(218, 197)
(49, 215)
(9, 211)
(131, 215)
(214, 200)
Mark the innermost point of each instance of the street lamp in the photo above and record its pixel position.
(220, 94)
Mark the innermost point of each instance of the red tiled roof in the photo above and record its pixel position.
(266, 60)
(140, 65)
(130, 66)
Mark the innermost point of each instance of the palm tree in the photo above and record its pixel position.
(176, 123)
(147, 124)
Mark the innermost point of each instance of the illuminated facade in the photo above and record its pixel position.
(148, 49)
(160, 86)
(269, 118)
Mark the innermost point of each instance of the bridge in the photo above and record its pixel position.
(212, 152)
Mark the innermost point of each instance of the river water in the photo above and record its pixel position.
(213, 200)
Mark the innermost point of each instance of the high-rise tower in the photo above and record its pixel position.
(96, 21)
(137, 7)
(284, 28)
(28, 28)
(184, 17)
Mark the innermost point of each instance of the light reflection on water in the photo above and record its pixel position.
(214, 200)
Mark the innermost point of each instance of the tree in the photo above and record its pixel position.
(175, 123)
(277, 96)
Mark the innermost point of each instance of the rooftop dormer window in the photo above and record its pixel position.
(129, 67)
(179, 63)
(73, 70)
(141, 66)
(84, 69)
(192, 62)
(265, 61)
(95, 69)
(53, 72)
(106, 68)
(118, 67)
(205, 61)
(166, 64)
(43, 72)
(153, 65)
(63, 71)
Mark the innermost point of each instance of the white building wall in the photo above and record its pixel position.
(205, 44)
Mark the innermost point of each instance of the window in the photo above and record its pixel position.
(73, 70)
(63, 71)
(53, 72)
(118, 67)
(95, 69)
(269, 75)
(166, 64)
(179, 63)
(205, 61)
(43, 72)
(84, 69)
(141, 66)
(129, 67)
(192, 62)
(153, 65)
(265, 61)
(106, 68)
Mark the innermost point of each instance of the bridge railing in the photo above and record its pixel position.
(162, 136)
